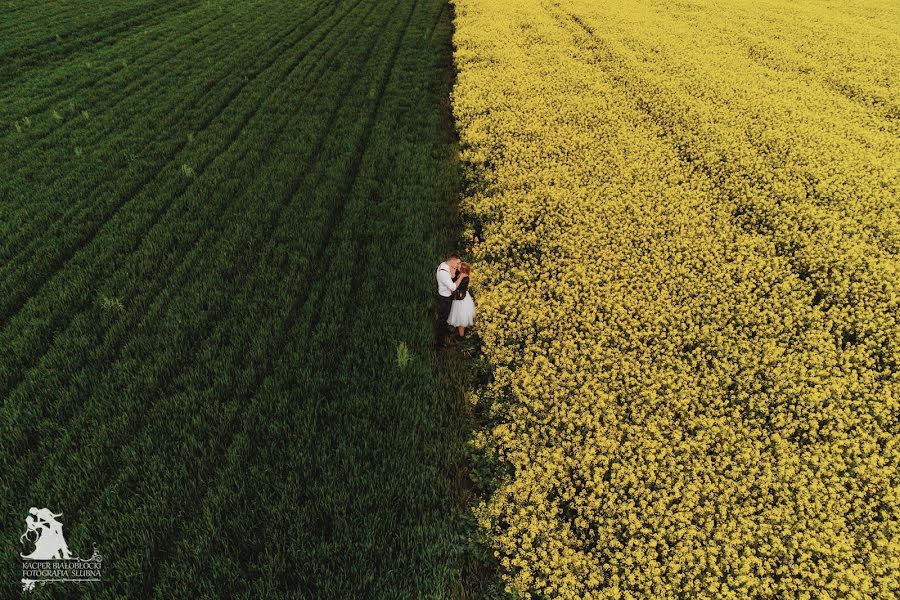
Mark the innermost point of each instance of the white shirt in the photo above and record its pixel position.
(445, 282)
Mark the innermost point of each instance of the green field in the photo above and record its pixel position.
(218, 223)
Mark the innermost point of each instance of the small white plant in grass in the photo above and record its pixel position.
(85, 114)
(27, 120)
(187, 170)
(402, 355)
(111, 304)
(77, 151)
(56, 115)
(18, 127)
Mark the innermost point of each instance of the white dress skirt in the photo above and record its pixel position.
(462, 312)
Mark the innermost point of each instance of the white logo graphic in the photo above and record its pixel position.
(49, 542)
(50, 560)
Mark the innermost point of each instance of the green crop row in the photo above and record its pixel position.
(96, 33)
(40, 22)
(62, 85)
(171, 163)
(111, 145)
(165, 248)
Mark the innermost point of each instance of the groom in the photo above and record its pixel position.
(447, 274)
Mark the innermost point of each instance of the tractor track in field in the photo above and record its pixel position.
(291, 319)
(43, 53)
(143, 73)
(179, 265)
(196, 342)
(335, 216)
(437, 20)
(261, 375)
(202, 238)
(200, 92)
(57, 263)
(297, 63)
(14, 60)
(27, 229)
(60, 19)
(145, 76)
(84, 306)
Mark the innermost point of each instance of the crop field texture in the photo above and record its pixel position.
(214, 221)
(686, 220)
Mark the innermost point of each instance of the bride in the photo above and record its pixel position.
(462, 312)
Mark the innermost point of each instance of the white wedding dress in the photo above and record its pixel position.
(462, 312)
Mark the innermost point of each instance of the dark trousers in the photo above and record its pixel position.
(443, 311)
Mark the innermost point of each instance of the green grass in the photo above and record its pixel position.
(218, 228)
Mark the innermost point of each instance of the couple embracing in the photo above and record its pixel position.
(455, 306)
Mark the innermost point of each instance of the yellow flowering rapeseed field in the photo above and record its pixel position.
(685, 219)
